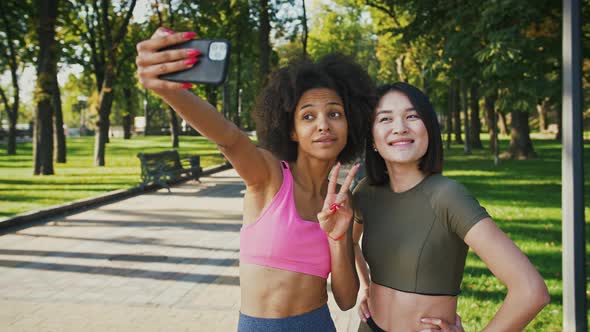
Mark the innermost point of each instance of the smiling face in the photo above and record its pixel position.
(399, 133)
(320, 126)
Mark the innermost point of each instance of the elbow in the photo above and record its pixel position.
(542, 297)
(537, 294)
(347, 304)
(347, 301)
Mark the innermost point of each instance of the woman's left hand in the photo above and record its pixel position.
(442, 325)
(337, 213)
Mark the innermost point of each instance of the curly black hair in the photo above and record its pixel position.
(432, 161)
(276, 105)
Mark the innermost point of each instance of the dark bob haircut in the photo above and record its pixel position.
(432, 162)
(276, 105)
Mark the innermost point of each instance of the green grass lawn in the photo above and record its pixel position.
(524, 198)
(21, 191)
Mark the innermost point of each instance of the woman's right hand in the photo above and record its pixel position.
(151, 62)
(363, 312)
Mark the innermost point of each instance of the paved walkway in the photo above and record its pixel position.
(154, 262)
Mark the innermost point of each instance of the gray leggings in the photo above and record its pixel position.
(317, 320)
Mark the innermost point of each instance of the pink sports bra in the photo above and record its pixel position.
(281, 239)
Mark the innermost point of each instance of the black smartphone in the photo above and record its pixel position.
(212, 65)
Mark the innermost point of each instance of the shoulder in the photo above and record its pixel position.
(440, 187)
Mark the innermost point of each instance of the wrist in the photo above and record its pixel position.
(336, 239)
(338, 244)
(170, 94)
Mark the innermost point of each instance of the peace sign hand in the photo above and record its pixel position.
(336, 214)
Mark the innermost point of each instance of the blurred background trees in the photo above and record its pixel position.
(489, 67)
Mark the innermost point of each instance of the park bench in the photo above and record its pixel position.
(164, 168)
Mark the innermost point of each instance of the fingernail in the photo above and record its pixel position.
(168, 31)
(190, 61)
(367, 315)
(193, 53)
(186, 85)
(189, 35)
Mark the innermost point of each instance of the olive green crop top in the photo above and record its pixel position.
(413, 241)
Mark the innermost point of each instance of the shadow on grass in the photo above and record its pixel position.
(536, 230)
(547, 263)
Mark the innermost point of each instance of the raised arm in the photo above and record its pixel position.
(335, 220)
(251, 163)
(527, 292)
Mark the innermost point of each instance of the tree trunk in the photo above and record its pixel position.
(304, 25)
(559, 124)
(127, 121)
(457, 113)
(450, 116)
(225, 97)
(474, 118)
(502, 124)
(128, 117)
(146, 113)
(464, 105)
(237, 119)
(13, 64)
(542, 109)
(11, 143)
(521, 146)
(105, 102)
(490, 104)
(173, 127)
(264, 41)
(60, 135)
(45, 89)
(108, 40)
(43, 136)
(211, 95)
(401, 69)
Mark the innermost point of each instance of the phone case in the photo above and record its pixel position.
(211, 67)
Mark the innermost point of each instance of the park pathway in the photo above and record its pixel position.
(154, 262)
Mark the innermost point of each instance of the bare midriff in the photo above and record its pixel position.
(272, 293)
(394, 310)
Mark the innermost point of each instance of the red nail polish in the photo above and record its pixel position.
(186, 85)
(168, 31)
(190, 61)
(189, 35)
(192, 53)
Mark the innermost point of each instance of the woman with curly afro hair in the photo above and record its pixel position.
(311, 117)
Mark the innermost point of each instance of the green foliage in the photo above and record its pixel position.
(341, 27)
